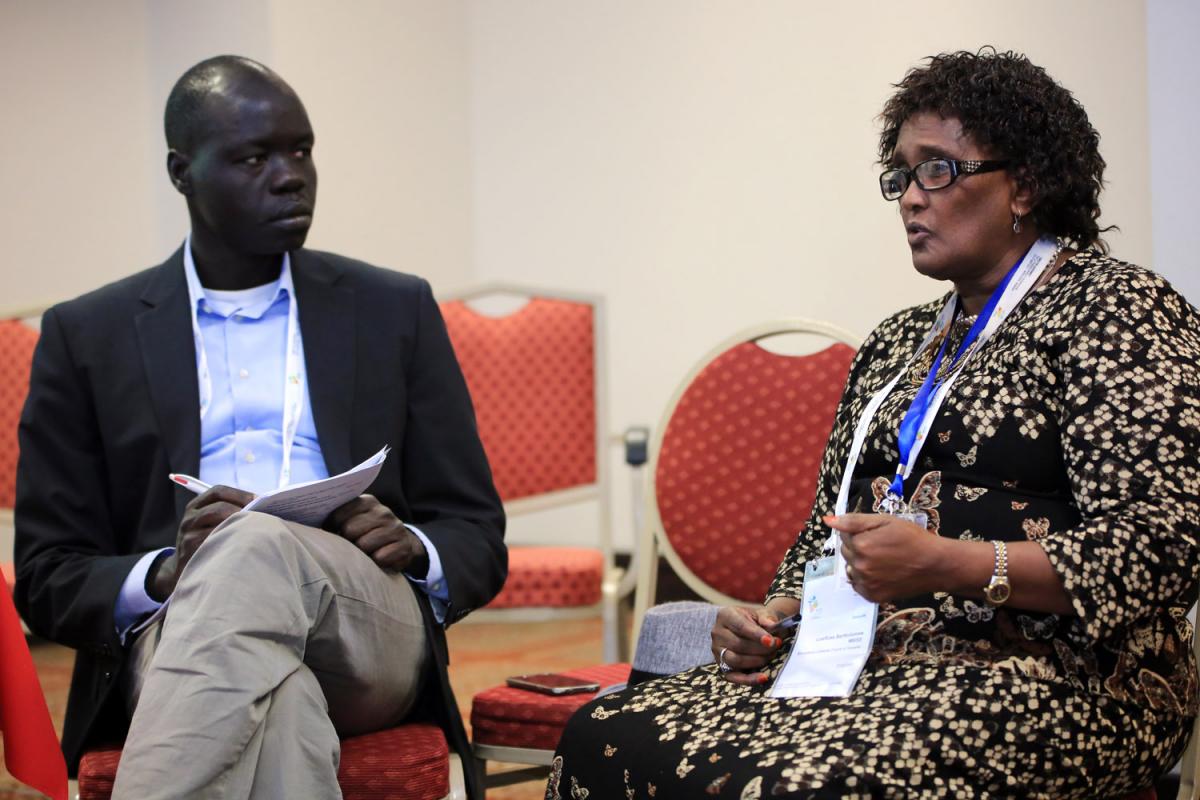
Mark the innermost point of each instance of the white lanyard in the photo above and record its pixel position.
(294, 377)
(1028, 272)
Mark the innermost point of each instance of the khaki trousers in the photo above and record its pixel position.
(278, 639)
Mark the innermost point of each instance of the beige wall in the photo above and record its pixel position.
(1173, 67)
(84, 197)
(709, 165)
(75, 206)
(704, 165)
(386, 86)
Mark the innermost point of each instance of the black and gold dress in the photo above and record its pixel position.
(1077, 425)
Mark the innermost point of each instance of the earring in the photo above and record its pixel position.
(1016, 223)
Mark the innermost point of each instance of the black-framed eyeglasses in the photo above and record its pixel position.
(932, 174)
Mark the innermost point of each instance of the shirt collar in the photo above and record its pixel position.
(196, 295)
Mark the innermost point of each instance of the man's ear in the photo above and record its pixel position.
(178, 168)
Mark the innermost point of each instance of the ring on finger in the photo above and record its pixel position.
(721, 665)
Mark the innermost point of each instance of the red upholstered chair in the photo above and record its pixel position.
(408, 762)
(733, 465)
(737, 450)
(534, 364)
(18, 337)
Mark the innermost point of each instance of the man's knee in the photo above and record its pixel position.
(252, 541)
(248, 530)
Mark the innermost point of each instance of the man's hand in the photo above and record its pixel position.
(375, 529)
(204, 513)
(889, 558)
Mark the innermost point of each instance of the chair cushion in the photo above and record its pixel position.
(506, 717)
(97, 771)
(408, 762)
(560, 577)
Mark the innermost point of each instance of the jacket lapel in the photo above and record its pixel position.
(169, 358)
(327, 326)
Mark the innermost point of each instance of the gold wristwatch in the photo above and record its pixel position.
(999, 589)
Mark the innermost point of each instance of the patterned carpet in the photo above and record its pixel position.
(483, 654)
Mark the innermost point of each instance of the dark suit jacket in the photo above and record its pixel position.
(113, 407)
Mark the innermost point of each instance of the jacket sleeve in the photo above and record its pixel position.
(448, 483)
(67, 565)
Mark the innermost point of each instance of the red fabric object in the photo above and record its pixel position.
(559, 577)
(508, 717)
(9, 573)
(408, 762)
(31, 751)
(97, 771)
(737, 470)
(532, 379)
(17, 341)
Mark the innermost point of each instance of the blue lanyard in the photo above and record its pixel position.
(915, 415)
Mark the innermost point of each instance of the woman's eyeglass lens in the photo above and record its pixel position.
(931, 175)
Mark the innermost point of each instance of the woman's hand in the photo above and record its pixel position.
(888, 557)
(742, 639)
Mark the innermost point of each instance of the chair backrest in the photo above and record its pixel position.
(734, 461)
(536, 377)
(17, 341)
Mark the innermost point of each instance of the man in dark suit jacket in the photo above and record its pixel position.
(121, 394)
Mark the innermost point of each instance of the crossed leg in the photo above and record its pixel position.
(279, 638)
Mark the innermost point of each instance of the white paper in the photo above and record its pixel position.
(307, 503)
(310, 503)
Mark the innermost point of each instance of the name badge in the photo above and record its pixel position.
(833, 639)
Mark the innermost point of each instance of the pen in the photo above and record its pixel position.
(188, 482)
(790, 622)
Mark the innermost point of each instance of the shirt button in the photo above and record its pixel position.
(243, 373)
(249, 458)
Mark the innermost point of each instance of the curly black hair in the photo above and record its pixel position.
(1011, 106)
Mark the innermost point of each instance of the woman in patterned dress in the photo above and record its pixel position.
(1071, 435)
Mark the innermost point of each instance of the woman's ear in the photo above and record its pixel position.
(1023, 191)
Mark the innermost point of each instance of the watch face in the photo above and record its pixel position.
(997, 593)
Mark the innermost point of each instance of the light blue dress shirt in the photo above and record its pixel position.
(241, 441)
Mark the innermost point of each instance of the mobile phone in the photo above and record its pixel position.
(552, 683)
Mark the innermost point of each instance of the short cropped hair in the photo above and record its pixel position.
(185, 104)
(1015, 109)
